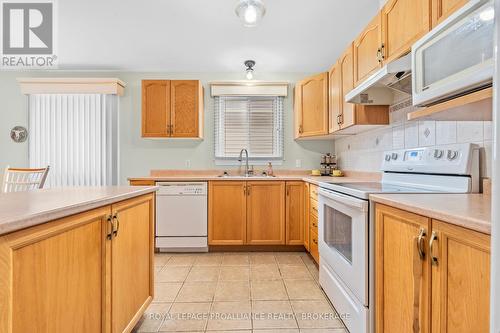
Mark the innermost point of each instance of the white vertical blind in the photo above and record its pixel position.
(250, 122)
(75, 134)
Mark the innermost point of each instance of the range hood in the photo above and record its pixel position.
(383, 86)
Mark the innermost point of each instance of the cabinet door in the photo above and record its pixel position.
(441, 9)
(155, 108)
(402, 276)
(335, 98)
(266, 213)
(131, 261)
(367, 48)
(294, 213)
(306, 216)
(460, 279)
(52, 276)
(347, 84)
(403, 23)
(185, 108)
(312, 105)
(227, 215)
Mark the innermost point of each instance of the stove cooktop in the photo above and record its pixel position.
(364, 189)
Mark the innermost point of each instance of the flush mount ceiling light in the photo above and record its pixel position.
(250, 12)
(249, 68)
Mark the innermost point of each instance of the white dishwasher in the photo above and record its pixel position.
(181, 217)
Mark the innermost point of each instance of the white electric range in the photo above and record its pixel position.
(346, 230)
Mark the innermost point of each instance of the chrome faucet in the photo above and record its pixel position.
(247, 170)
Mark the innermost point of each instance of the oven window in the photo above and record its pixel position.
(338, 232)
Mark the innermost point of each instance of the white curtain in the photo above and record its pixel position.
(76, 135)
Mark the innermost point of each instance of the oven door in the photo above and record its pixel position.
(343, 239)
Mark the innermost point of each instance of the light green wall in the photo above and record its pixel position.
(138, 155)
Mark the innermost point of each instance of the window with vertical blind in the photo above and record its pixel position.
(251, 122)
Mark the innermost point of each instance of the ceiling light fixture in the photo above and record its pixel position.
(250, 11)
(249, 68)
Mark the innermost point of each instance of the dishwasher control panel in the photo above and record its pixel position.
(181, 188)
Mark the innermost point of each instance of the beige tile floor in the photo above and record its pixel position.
(238, 292)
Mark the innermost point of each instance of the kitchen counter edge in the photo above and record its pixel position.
(103, 196)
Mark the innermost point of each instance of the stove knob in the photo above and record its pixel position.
(452, 154)
(394, 156)
(438, 153)
(387, 157)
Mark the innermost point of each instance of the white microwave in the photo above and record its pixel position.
(456, 57)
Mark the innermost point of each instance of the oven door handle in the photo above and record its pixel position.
(345, 199)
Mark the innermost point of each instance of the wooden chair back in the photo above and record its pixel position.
(16, 180)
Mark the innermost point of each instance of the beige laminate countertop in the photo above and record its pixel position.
(471, 211)
(310, 179)
(19, 210)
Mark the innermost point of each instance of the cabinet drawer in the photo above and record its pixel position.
(314, 245)
(314, 222)
(314, 208)
(313, 191)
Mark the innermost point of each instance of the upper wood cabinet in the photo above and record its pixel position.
(294, 213)
(402, 274)
(353, 118)
(367, 50)
(172, 108)
(460, 279)
(311, 106)
(155, 108)
(227, 217)
(441, 9)
(266, 212)
(335, 98)
(430, 276)
(403, 23)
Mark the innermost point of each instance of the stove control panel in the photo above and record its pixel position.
(449, 159)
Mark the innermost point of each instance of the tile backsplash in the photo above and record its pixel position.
(364, 152)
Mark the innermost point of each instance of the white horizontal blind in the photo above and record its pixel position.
(76, 135)
(250, 122)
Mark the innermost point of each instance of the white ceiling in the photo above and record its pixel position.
(206, 35)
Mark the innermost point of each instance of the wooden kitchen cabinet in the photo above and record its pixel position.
(155, 108)
(449, 286)
(441, 9)
(131, 261)
(334, 98)
(367, 50)
(354, 118)
(172, 108)
(403, 23)
(227, 217)
(74, 275)
(266, 213)
(294, 213)
(402, 276)
(306, 216)
(460, 279)
(311, 106)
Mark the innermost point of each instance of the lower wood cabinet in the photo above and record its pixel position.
(255, 213)
(90, 272)
(295, 213)
(431, 276)
(227, 213)
(306, 216)
(266, 213)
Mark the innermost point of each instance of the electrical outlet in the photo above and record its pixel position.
(298, 163)
(188, 164)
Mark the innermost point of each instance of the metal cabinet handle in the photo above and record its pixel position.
(244, 189)
(115, 231)
(315, 241)
(420, 243)
(248, 189)
(300, 129)
(379, 55)
(434, 259)
(315, 209)
(109, 220)
(288, 191)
